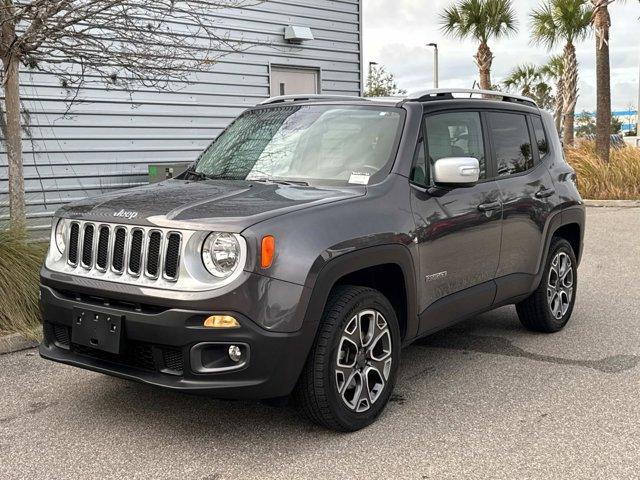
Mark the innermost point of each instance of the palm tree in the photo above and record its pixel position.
(481, 20)
(565, 21)
(530, 81)
(524, 79)
(602, 23)
(554, 71)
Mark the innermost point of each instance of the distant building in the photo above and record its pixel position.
(629, 119)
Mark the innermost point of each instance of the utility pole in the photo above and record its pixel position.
(435, 64)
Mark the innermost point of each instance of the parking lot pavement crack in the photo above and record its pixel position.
(503, 346)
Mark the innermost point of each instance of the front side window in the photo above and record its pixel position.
(541, 137)
(511, 143)
(455, 134)
(307, 143)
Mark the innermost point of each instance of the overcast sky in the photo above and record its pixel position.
(395, 32)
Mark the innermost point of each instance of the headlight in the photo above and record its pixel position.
(61, 235)
(221, 254)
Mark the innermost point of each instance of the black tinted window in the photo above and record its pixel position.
(511, 143)
(541, 137)
(456, 134)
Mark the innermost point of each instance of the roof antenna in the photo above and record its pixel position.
(473, 87)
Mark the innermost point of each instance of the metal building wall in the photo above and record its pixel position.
(111, 137)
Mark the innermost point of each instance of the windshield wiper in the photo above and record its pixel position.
(280, 182)
(192, 171)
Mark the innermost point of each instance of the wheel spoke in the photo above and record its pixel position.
(351, 331)
(374, 382)
(352, 391)
(343, 375)
(367, 326)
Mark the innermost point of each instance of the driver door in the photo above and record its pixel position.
(458, 229)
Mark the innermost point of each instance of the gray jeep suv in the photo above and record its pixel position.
(314, 239)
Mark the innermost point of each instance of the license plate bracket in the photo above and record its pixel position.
(98, 330)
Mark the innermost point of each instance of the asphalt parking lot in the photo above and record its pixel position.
(485, 399)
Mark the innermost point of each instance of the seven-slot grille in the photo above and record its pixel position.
(121, 249)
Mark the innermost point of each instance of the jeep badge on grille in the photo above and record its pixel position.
(126, 214)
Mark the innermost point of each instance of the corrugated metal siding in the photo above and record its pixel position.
(112, 137)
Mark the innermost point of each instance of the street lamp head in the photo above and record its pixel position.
(432, 45)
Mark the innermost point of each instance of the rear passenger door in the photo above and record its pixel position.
(457, 228)
(525, 191)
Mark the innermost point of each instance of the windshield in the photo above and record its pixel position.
(305, 143)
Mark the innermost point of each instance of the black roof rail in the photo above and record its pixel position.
(448, 94)
(306, 98)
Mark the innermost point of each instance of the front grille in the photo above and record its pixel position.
(121, 249)
(59, 334)
(103, 248)
(87, 246)
(74, 235)
(135, 253)
(173, 359)
(118, 249)
(141, 356)
(172, 256)
(153, 253)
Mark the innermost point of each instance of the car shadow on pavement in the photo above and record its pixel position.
(463, 338)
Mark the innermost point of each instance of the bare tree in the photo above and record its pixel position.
(122, 43)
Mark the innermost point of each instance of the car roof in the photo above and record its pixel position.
(423, 96)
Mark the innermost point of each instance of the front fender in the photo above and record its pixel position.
(327, 270)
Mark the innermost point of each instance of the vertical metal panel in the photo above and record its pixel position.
(110, 138)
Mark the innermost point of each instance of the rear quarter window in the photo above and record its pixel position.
(541, 136)
(513, 152)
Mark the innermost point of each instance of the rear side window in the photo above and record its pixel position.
(455, 134)
(541, 137)
(511, 143)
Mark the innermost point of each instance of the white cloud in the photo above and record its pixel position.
(396, 31)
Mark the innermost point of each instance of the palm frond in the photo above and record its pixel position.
(556, 21)
(481, 20)
(544, 30)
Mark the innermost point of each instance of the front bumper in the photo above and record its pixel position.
(157, 343)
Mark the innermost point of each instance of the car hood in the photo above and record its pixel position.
(214, 204)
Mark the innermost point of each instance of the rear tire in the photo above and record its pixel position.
(352, 367)
(549, 307)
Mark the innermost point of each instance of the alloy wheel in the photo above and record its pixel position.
(363, 361)
(560, 285)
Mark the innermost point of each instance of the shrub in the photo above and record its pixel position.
(617, 180)
(20, 262)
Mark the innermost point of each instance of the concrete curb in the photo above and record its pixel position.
(613, 203)
(15, 343)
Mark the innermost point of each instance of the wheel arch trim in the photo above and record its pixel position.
(329, 273)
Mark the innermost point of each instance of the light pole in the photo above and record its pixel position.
(371, 65)
(435, 63)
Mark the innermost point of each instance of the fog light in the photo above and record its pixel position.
(235, 353)
(221, 321)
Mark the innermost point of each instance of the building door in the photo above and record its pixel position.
(293, 81)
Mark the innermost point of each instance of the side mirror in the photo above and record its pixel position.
(461, 171)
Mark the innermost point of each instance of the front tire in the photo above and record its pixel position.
(352, 367)
(549, 308)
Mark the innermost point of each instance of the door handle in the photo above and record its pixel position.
(487, 207)
(545, 192)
